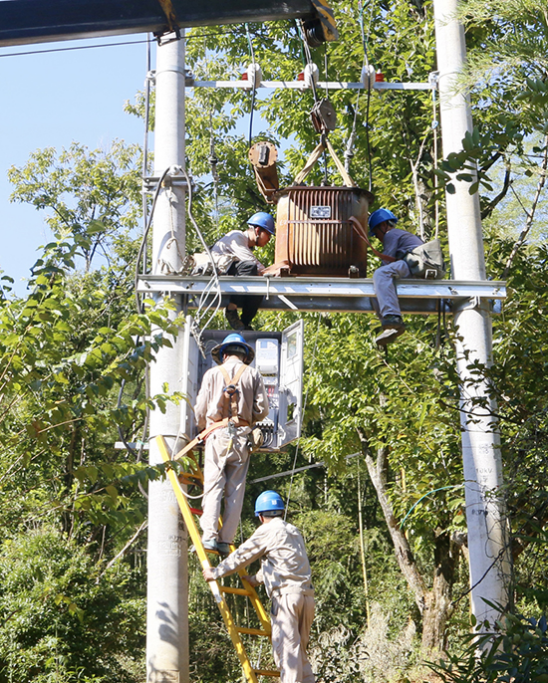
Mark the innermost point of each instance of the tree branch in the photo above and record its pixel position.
(505, 186)
(530, 214)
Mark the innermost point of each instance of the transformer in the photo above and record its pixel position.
(314, 235)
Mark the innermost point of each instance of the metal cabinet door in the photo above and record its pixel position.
(291, 384)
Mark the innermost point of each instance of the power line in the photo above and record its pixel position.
(91, 47)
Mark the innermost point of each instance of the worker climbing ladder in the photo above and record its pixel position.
(195, 478)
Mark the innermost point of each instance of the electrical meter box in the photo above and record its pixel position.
(279, 359)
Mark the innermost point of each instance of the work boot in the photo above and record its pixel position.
(234, 319)
(210, 544)
(392, 328)
(223, 548)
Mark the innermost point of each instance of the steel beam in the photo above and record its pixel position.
(36, 21)
(334, 294)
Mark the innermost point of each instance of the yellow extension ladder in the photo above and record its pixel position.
(196, 478)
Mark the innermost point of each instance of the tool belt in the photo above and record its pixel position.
(426, 261)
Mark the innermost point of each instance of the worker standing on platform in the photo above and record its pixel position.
(285, 572)
(240, 246)
(233, 395)
(396, 244)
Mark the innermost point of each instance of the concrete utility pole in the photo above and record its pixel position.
(167, 583)
(485, 512)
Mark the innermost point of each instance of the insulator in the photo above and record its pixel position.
(311, 75)
(254, 75)
(367, 77)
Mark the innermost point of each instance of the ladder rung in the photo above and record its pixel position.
(185, 482)
(252, 631)
(266, 672)
(235, 591)
(192, 476)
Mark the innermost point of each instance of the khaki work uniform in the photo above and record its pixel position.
(285, 572)
(226, 458)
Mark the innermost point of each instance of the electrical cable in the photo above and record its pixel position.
(145, 149)
(214, 281)
(120, 44)
(365, 40)
(145, 235)
(254, 90)
(435, 124)
(442, 488)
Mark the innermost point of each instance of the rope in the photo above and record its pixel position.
(302, 417)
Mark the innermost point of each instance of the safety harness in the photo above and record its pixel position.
(230, 396)
(229, 410)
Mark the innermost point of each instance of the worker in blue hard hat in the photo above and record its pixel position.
(240, 245)
(285, 572)
(396, 244)
(234, 398)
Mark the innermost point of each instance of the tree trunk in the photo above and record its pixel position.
(439, 607)
(435, 604)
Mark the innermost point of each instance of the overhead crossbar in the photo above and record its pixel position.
(301, 85)
(330, 294)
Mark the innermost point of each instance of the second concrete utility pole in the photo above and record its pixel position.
(485, 510)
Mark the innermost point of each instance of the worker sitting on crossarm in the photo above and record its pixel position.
(285, 572)
(233, 395)
(240, 246)
(396, 244)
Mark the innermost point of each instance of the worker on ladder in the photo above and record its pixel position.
(239, 245)
(234, 397)
(285, 572)
(396, 244)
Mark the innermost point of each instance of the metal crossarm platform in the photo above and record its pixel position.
(251, 673)
(328, 294)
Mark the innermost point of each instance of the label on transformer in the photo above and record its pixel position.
(320, 212)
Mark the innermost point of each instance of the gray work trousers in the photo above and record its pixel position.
(226, 463)
(291, 616)
(384, 282)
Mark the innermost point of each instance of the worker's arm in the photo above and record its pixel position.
(238, 246)
(254, 548)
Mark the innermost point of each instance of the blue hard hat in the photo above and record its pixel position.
(379, 216)
(269, 501)
(233, 339)
(263, 220)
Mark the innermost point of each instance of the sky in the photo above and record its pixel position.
(50, 100)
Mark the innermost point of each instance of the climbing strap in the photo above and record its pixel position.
(231, 392)
(235, 631)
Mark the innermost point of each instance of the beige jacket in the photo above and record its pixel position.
(284, 562)
(235, 243)
(252, 398)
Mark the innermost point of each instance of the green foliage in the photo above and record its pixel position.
(517, 653)
(65, 618)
